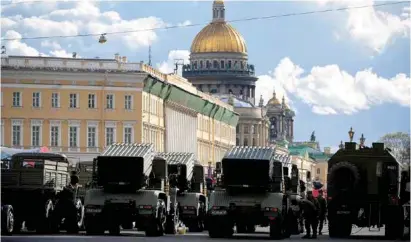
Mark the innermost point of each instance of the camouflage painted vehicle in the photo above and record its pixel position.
(130, 189)
(187, 176)
(363, 190)
(30, 189)
(252, 192)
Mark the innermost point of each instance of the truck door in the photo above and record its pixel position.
(390, 182)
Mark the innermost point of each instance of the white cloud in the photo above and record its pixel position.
(169, 65)
(15, 47)
(86, 17)
(265, 87)
(330, 90)
(371, 27)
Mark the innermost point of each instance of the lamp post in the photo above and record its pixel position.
(362, 140)
(351, 134)
(102, 39)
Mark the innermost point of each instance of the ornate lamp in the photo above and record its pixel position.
(341, 146)
(362, 140)
(102, 39)
(351, 134)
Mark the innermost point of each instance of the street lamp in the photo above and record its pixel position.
(362, 140)
(351, 134)
(102, 39)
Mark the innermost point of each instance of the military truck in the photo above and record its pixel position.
(251, 193)
(187, 176)
(363, 190)
(131, 188)
(30, 189)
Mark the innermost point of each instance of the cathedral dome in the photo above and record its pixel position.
(218, 36)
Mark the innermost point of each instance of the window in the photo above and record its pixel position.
(36, 99)
(110, 101)
(201, 64)
(16, 99)
(128, 101)
(229, 64)
(55, 100)
(237, 129)
(35, 135)
(254, 144)
(16, 139)
(109, 136)
(222, 64)
(128, 135)
(73, 137)
(245, 142)
(318, 171)
(246, 131)
(91, 137)
(73, 100)
(237, 141)
(92, 100)
(55, 136)
(215, 64)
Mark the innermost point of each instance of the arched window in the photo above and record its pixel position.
(208, 64)
(229, 64)
(245, 142)
(241, 65)
(318, 171)
(213, 90)
(230, 91)
(254, 144)
(201, 64)
(195, 64)
(237, 141)
(222, 64)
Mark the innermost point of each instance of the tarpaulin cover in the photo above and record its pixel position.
(240, 172)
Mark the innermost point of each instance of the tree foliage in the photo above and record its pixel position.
(399, 143)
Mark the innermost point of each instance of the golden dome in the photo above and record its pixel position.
(218, 37)
(274, 101)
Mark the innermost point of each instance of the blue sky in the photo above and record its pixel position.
(338, 69)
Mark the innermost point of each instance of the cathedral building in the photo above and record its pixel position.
(219, 66)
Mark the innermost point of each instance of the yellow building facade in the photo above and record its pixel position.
(79, 106)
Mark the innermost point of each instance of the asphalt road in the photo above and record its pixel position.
(363, 235)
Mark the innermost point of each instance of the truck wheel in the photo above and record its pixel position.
(276, 230)
(241, 228)
(114, 230)
(339, 230)
(7, 227)
(220, 228)
(156, 226)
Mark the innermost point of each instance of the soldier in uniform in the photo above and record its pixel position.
(65, 207)
(322, 212)
(310, 208)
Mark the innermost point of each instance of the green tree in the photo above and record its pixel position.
(399, 143)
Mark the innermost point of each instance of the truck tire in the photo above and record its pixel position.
(276, 230)
(339, 229)
(157, 223)
(344, 165)
(93, 227)
(7, 225)
(220, 228)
